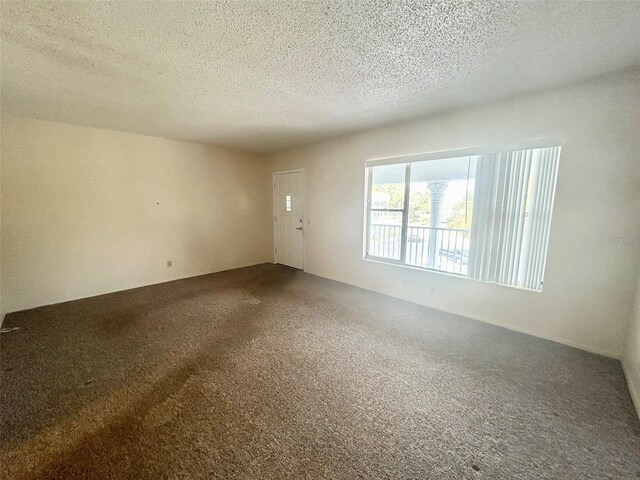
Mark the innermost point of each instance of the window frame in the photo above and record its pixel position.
(546, 142)
(404, 227)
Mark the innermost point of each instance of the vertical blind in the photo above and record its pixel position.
(513, 201)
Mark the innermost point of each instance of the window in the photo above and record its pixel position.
(483, 213)
(287, 203)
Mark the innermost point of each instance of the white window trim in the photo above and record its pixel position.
(440, 155)
(384, 261)
(465, 152)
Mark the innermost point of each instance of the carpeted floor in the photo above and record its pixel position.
(268, 372)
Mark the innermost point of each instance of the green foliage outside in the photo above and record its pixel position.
(420, 206)
(461, 215)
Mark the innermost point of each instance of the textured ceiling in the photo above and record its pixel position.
(265, 75)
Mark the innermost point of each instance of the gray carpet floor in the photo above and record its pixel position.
(268, 372)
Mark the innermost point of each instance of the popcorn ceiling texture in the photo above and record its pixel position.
(266, 75)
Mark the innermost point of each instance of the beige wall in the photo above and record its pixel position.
(88, 211)
(1, 302)
(591, 271)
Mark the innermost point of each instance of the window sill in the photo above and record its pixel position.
(447, 274)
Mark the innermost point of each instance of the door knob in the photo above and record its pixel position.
(299, 228)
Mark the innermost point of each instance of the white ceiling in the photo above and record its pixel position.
(265, 75)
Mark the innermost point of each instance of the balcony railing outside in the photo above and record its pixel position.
(450, 251)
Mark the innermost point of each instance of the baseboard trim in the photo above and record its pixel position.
(99, 294)
(478, 318)
(569, 343)
(634, 389)
(533, 333)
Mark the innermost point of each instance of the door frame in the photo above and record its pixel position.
(274, 215)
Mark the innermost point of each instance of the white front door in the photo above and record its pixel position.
(288, 195)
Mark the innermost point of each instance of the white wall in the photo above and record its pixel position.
(591, 271)
(88, 211)
(631, 361)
